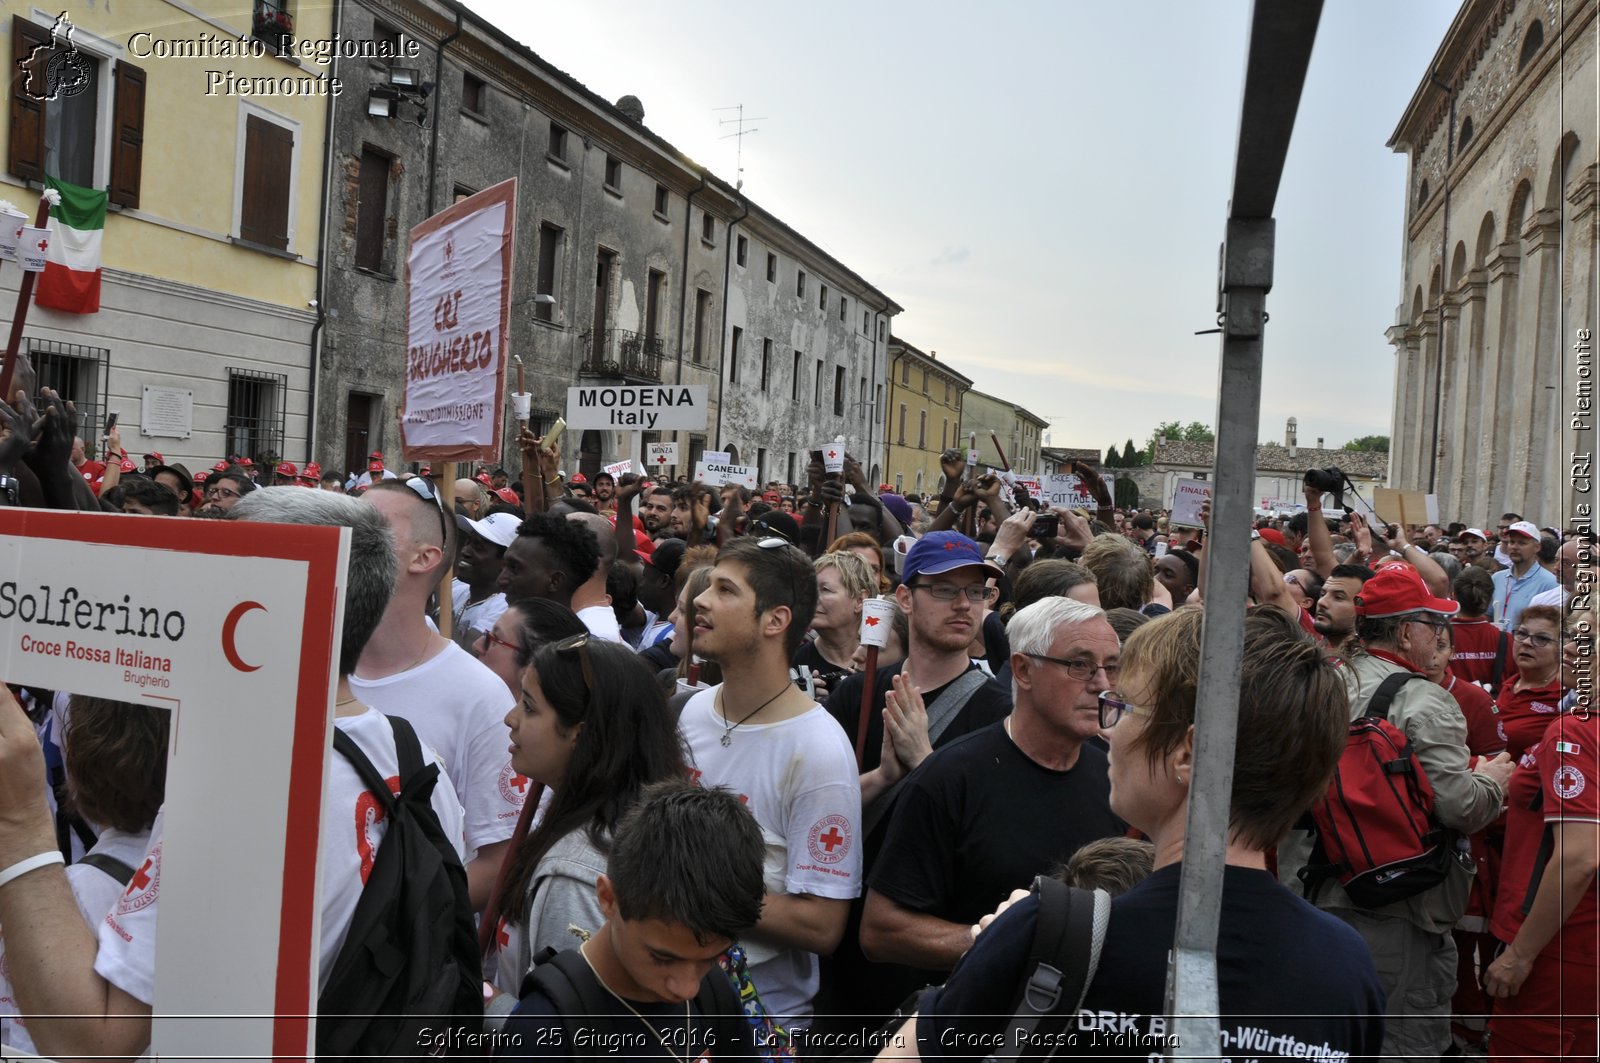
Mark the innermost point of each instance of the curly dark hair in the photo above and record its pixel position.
(573, 544)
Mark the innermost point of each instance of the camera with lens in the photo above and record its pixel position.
(1330, 480)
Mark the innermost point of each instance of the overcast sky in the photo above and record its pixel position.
(1043, 185)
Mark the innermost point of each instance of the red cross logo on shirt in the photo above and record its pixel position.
(520, 781)
(501, 935)
(832, 840)
(142, 878)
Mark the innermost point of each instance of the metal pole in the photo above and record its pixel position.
(1281, 36)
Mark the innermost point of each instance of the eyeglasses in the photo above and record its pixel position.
(580, 645)
(1534, 638)
(1437, 623)
(489, 637)
(947, 592)
(1113, 708)
(425, 491)
(1083, 671)
(222, 492)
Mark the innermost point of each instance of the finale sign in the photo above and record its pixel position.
(458, 316)
(98, 605)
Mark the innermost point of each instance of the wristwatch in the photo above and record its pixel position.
(999, 559)
(9, 487)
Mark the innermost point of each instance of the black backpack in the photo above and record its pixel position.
(585, 1006)
(410, 962)
(1062, 960)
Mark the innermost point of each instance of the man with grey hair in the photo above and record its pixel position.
(988, 812)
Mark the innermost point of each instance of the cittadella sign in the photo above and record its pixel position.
(458, 314)
(637, 408)
(95, 604)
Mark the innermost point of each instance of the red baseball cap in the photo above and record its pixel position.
(1397, 590)
(376, 464)
(156, 454)
(509, 497)
(1272, 535)
(128, 465)
(287, 470)
(219, 466)
(579, 478)
(312, 469)
(483, 478)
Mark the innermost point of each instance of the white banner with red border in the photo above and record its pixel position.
(232, 627)
(458, 328)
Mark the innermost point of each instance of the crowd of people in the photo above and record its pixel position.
(685, 790)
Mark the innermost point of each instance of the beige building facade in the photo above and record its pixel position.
(1498, 268)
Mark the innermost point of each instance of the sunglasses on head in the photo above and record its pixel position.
(425, 490)
(579, 644)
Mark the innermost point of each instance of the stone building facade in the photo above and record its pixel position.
(1498, 268)
(633, 263)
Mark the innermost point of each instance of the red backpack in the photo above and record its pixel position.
(1375, 828)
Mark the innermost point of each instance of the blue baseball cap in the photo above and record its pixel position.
(944, 551)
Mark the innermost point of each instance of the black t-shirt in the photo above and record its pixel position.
(988, 704)
(980, 818)
(535, 1031)
(1296, 983)
(812, 658)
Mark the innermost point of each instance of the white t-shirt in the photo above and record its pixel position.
(1556, 596)
(459, 708)
(470, 621)
(601, 620)
(95, 892)
(352, 830)
(798, 778)
(365, 479)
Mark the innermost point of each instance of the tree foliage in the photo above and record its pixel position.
(1193, 432)
(1113, 459)
(1380, 444)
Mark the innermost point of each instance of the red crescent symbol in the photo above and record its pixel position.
(229, 650)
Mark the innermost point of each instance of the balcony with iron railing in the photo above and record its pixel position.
(621, 353)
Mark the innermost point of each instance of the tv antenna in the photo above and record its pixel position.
(740, 132)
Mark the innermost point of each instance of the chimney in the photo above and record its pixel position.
(1289, 433)
(631, 109)
(1319, 442)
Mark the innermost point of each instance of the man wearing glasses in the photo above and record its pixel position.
(985, 814)
(1517, 586)
(224, 489)
(1399, 625)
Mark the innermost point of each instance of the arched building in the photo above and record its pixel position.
(1498, 271)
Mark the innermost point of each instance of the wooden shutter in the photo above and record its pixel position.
(264, 206)
(127, 144)
(372, 209)
(25, 156)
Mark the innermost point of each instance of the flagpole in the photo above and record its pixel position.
(48, 198)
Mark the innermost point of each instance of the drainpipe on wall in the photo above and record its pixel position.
(438, 87)
(727, 271)
(322, 253)
(1444, 280)
(683, 286)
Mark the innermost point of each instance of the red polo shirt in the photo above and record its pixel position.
(1483, 739)
(1523, 715)
(1561, 776)
(1477, 643)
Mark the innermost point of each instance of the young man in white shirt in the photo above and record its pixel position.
(758, 735)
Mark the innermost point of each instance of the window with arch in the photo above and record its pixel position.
(1531, 43)
(1422, 193)
(1466, 133)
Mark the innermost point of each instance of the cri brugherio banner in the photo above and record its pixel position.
(458, 318)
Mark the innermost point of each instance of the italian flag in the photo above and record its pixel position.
(71, 278)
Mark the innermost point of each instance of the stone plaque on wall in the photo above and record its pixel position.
(167, 412)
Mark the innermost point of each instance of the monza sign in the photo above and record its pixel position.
(97, 605)
(660, 406)
(661, 455)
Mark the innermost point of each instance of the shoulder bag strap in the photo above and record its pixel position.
(1062, 960)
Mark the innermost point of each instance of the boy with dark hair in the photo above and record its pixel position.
(683, 882)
